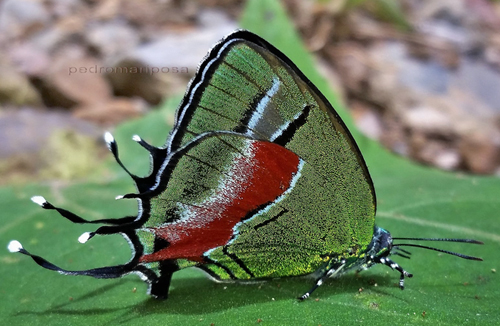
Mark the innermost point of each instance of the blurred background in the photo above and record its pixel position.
(420, 76)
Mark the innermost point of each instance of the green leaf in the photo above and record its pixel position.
(414, 201)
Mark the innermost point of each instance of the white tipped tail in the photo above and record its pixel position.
(119, 197)
(15, 246)
(84, 237)
(39, 200)
(136, 138)
(108, 137)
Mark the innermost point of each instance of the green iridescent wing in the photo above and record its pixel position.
(247, 86)
(274, 213)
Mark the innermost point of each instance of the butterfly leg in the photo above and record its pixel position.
(393, 265)
(329, 271)
(159, 287)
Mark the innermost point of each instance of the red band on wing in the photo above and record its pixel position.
(257, 178)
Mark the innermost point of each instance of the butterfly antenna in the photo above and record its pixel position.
(396, 246)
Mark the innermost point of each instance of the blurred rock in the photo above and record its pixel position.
(84, 53)
(135, 79)
(427, 119)
(492, 52)
(15, 88)
(112, 40)
(481, 152)
(29, 59)
(65, 8)
(25, 130)
(382, 77)
(158, 13)
(447, 159)
(173, 56)
(367, 120)
(429, 92)
(351, 63)
(437, 153)
(72, 79)
(481, 83)
(106, 9)
(184, 49)
(332, 77)
(112, 112)
(22, 17)
(59, 35)
(483, 13)
(428, 109)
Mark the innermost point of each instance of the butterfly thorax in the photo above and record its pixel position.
(378, 249)
(381, 244)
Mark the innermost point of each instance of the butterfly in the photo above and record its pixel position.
(259, 178)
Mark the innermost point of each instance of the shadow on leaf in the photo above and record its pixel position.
(199, 296)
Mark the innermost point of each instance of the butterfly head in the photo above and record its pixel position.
(382, 246)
